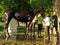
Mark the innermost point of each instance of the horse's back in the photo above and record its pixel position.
(23, 12)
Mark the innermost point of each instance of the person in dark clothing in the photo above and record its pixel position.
(55, 18)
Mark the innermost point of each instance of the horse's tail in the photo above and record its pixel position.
(5, 19)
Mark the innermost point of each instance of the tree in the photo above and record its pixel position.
(25, 4)
(16, 4)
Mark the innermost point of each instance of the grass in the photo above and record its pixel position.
(1, 26)
(21, 29)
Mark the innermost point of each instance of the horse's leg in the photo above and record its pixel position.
(33, 29)
(7, 20)
(30, 27)
(5, 25)
(26, 32)
(27, 28)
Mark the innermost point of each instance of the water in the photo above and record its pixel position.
(38, 41)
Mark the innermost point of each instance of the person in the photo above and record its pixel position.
(55, 18)
(40, 24)
(47, 21)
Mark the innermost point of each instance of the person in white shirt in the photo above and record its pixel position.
(47, 21)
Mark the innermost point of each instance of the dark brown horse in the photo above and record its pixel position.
(24, 15)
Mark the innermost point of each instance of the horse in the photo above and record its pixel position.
(24, 15)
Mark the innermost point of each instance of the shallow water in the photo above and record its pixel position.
(37, 41)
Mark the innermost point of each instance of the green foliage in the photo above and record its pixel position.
(1, 26)
(36, 3)
(17, 4)
(47, 4)
(23, 4)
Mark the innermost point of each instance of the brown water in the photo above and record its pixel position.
(38, 41)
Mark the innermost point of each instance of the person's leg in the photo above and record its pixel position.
(38, 30)
(48, 34)
(57, 33)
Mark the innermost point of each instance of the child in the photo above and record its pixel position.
(40, 21)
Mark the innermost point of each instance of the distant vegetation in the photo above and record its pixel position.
(23, 4)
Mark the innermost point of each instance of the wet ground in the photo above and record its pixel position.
(30, 41)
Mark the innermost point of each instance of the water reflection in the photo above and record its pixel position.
(40, 41)
(58, 42)
(54, 41)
